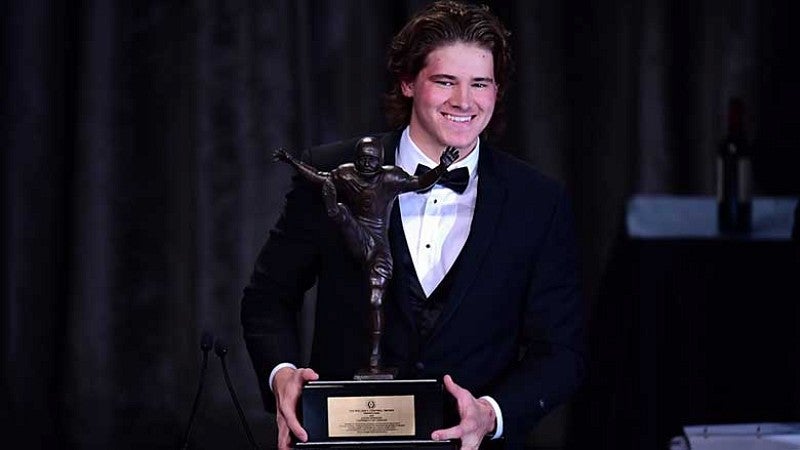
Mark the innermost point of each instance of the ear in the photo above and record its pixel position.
(407, 87)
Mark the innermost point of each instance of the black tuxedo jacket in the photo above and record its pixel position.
(511, 327)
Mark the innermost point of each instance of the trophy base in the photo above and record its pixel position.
(382, 373)
(409, 445)
(397, 414)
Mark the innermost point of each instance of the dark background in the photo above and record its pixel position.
(137, 185)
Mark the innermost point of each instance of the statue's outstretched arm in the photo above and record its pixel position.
(306, 170)
(426, 180)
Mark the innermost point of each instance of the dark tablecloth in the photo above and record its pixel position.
(692, 326)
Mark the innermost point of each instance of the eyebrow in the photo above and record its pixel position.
(452, 77)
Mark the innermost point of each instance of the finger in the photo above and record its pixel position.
(297, 430)
(293, 424)
(284, 440)
(454, 389)
(309, 374)
(455, 432)
(288, 407)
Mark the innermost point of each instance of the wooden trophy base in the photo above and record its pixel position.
(383, 373)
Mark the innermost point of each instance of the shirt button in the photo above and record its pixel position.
(419, 365)
(427, 245)
(435, 201)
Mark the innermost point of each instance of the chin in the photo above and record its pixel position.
(459, 140)
(460, 143)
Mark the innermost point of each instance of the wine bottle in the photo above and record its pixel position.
(734, 174)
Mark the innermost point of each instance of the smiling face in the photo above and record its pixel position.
(453, 98)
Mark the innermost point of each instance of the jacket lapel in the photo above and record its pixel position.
(390, 142)
(488, 206)
(397, 235)
(400, 292)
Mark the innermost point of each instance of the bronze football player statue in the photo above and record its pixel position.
(368, 190)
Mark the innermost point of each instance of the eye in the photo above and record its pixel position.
(445, 83)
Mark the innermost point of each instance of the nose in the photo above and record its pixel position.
(461, 96)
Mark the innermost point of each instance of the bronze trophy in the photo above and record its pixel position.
(373, 409)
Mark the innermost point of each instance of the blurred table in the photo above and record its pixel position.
(695, 326)
(670, 217)
(749, 436)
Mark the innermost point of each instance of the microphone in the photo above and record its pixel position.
(205, 346)
(221, 350)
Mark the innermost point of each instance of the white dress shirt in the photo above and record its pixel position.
(437, 222)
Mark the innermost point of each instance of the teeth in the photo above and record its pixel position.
(458, 118)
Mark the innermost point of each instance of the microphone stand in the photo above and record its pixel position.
(205, 346)
(221, 350)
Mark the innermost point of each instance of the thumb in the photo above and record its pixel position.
(308, 374)
(451, 385)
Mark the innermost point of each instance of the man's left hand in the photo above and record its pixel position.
(477, 418)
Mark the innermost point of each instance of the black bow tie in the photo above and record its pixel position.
(456, 179)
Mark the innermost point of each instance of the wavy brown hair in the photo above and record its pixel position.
(444, 23)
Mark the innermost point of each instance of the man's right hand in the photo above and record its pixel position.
(287, 386)
(448, 157)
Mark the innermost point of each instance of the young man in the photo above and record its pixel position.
(484, 291)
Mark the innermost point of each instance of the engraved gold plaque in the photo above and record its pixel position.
(368, 413)
(391, 415)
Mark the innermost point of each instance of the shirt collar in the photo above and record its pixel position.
(409, 155)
